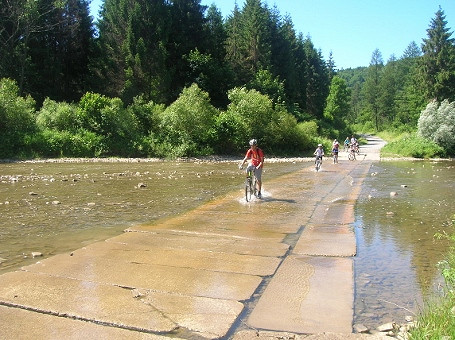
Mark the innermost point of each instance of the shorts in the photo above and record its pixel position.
(257, 172)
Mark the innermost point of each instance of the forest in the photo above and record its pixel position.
(173, 78)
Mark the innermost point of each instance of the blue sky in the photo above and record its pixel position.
(353, 29)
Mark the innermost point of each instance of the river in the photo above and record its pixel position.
(56, 207)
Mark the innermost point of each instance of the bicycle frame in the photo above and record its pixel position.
(250, 186)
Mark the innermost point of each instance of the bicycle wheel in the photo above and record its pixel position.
(255, 188)
(351, 156)
(318, 165)
(248, 189)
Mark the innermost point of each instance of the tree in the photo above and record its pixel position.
(438, 62)
(188, 31)
(372, 86)
(337, 109)
(132, 46)
(60, 55)
(388, 90)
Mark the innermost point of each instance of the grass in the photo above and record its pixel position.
(409, 145)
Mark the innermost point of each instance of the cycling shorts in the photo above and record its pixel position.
(257, 172)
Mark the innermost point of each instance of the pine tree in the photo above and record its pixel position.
(438, 62)
(372, 87)
(132, 47)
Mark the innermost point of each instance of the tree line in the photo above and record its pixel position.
(173, 78)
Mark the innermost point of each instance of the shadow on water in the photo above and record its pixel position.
(401, 207)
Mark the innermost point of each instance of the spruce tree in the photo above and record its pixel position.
(437, 64)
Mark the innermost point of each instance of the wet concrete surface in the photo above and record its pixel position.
(228, 269)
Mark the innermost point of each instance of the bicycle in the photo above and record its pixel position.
(335, 157)
(351, 155)
(250, 186)
(318, 163)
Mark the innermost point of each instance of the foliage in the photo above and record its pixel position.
(437, 66)
(58, 116)
(411, 145)
(17, 118)
(54, 143)
(437, 123)
(108, 118)
(188, 123)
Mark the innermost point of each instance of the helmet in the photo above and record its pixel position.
(253, 142)
(319, 144)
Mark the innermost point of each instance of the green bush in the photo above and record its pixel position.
(54, 144)
(17, 119)
(57, 116)
(108, 118)
(188, 124)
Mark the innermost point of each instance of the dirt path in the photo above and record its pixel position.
(228, 269)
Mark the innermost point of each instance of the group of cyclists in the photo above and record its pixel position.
(351, 145)
(255, 157)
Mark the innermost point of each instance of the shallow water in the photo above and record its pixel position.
(397, 253)
(58, 207)
(53, 208)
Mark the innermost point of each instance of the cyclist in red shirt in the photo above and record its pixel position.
(256, 157)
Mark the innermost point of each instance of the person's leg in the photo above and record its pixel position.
(258, 174)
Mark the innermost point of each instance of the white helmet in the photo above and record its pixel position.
(319, 144)
(253, 142)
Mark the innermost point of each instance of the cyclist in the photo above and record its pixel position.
(346, 144)
(335, 148)
(256, 157)
(319, 152)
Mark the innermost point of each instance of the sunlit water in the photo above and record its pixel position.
(53, 208)
(397, 253)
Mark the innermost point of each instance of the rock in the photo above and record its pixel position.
(55, 202)
(31, 193)
(360, 328)
(91, 204)
(404, 186)
(390, 213)
(36, 254)
(409, 318)
(393, 193)
(386, 327)
(141, 185)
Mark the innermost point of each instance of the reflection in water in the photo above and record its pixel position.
(397, 253)
(58, 207)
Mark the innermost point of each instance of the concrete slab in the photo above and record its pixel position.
(35, 325)
(318, 297)
(229, 245)
(323, 240)
(186, 281)
(140, 310)
(116, 253)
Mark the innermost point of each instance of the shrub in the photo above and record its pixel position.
(58, 116)
(17, 118)
(108, 118)
(189, 123)
(437, 123)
